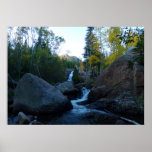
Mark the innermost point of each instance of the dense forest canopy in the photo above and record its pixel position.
(34, 50)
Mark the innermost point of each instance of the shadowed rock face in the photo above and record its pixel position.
(36, 96)
(120, 79)
(119, 87)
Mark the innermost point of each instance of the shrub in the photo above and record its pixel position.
(76, 78)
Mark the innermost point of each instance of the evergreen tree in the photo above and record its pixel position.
(89, 37)
(92, 54)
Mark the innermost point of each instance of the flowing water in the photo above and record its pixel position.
(80, 108)
(80, 114)
(70, 76)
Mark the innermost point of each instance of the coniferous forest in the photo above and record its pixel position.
(103, 86)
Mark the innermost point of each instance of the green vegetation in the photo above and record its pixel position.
(76, 78)
(92, 55)
(140, 49)
(118, 40)
(33, 50)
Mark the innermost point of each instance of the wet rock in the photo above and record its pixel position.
(72, 94)
(101, 118)
(68, 89)
(23, 119)
(127, 108)
(79, 86)
(65, 86)
(98, 92)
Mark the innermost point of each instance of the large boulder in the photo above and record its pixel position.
(123, 78)
(35, 96)
(97, 92)
(68, 89)
(65, 86)
(120, 88)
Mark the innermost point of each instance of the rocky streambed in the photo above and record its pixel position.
(81, 114)
(117, 97)
(73, 112)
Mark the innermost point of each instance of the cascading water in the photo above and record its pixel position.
(78, 113)
(85, 93)
(80, 108)
(70, 76)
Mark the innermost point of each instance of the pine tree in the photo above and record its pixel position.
(92, 54)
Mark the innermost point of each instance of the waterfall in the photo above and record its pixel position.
(85, 93)
(70, 76)
(80, 108)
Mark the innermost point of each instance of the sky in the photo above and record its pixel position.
(74, 40)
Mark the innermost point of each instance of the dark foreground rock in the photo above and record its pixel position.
(104, 118)
(33, 95)
(128, 109)
(93, 117)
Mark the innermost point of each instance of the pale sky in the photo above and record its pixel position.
(74, 40)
